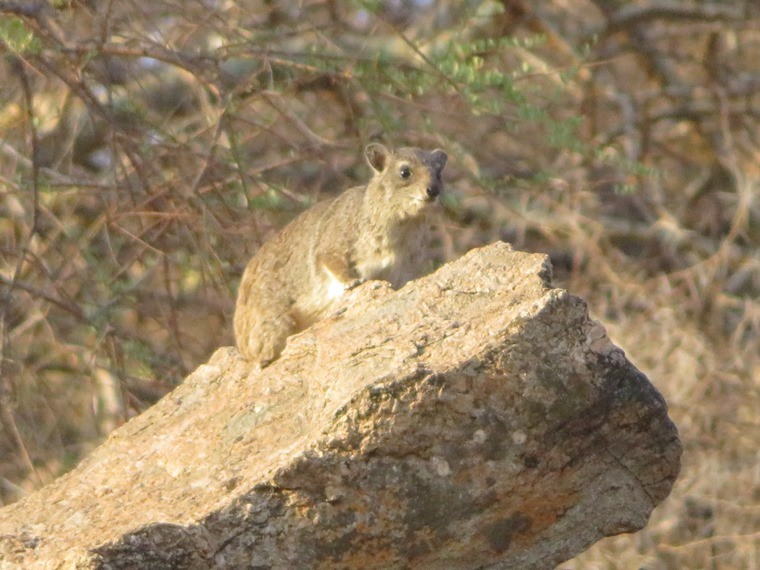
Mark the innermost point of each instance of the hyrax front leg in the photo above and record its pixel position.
(338, 272)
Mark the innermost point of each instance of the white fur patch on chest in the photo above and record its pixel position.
(335, 287)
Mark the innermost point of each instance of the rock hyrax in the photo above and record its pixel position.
(378, 231)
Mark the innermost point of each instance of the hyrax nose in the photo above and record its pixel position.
(433, 191)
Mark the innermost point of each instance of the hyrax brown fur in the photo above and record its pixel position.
(378, 231)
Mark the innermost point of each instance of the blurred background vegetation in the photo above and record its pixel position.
(148, 148)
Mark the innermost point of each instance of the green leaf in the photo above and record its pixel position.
(15, 34)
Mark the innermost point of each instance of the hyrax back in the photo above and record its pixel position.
(377, 231)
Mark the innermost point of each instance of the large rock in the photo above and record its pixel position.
(475, 417)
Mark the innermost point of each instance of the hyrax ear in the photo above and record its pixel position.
(378, 156)
(439, 159)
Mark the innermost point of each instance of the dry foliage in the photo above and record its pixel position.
(148, 148)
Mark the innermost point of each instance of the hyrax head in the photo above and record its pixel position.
(409, 178)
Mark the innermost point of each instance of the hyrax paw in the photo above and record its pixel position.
(354, 284)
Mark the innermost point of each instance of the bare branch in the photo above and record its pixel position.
(631, 15)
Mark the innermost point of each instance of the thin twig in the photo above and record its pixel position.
(6, 388)
(633, 15)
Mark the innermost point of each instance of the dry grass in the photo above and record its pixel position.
(146, 152)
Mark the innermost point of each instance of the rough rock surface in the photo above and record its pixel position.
(474, 418)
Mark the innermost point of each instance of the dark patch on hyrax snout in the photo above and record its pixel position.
(433, 192)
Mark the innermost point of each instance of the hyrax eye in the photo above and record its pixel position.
(405, 171)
